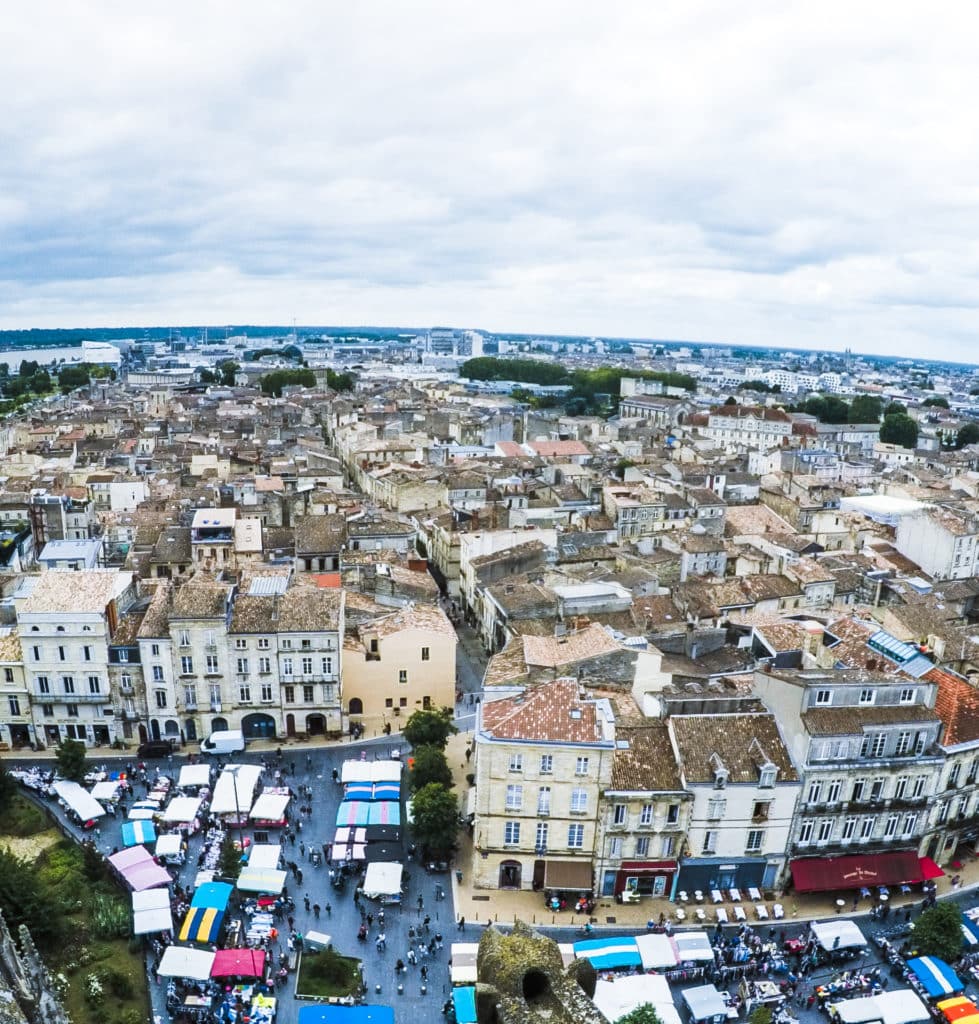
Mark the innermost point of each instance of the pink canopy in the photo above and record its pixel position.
(233, 963)
(139, 869)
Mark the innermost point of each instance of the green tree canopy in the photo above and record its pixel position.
(273, 383)
(229, 860)
(895, 407)
(899, 429)
(968, 434)
(645, 1013)
(429, 765)
(827, 408)
(435, 819)
(228, 368)
(865, 409)
(430, 728)
(71, 377)
(25, 900)
(527, 371)
(938, 401)
(340, 381)
(938, 932)
(72, 761)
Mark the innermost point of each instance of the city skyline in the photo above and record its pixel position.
(765, 179)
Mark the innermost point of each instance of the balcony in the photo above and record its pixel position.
(71, 698)
(216, 708)
(190, 705)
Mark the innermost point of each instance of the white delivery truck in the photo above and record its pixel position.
(230, 741)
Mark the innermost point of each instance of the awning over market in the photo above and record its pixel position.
(264, 855)
(384, 812)
(182, 809)
(202, 924)
(936, 976)
(382, 879)
(358, 791)
(824, 874)
(959, 1010)
(464, 1004)
(234, 788)
(169, 845)
(693, 946)
(138, 869)
(269, 807)
(79, 800)
(370, 771)
(106, 790)
(192, 775)
(902, 1006)
(185, 962)
(135, 833)
(704, 1003)
(568, 874)
(657, 951)
(269, 880)
(838, 934)
(463, 959)
(970, 931)
(151, 912)
(621, 995)
(353, 814)
(238, 963)
(323, 1013)
(607, 954)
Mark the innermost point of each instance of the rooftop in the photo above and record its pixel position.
(89, 590)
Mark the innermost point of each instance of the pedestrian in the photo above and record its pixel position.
(469, 754)
(421, 903)
(411, 958)
(309, 761)
(431, 947)
(292, 767)
(302, 849)
(329, 909)
(299, 875)
(306, 901)
(462, 924)
(411, 933)
(291, 922)
(292, 838)
(426, 923)
(316, 910)
(422, 951)
(399, 966)
(423, 972)
(380, 918)
(438, 940)
(370, 920)
(381, 943)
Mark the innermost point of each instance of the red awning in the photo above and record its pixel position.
(822, 874)
(638, 866)
(929, 869)
(232, 963)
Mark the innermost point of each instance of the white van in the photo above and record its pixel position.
(228, 742)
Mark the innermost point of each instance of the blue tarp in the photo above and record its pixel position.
(358, 791)
(971, 931)
(353, 814)
(464, 1001)
(324, 1014)
(607, 954)
(212, 894)
(202, 924)
(936, 976)
(387, 791)
(136, 832)
(384, 812)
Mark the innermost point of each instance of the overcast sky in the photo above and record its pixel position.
(798, 174)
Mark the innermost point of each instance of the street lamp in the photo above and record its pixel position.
(232, 770)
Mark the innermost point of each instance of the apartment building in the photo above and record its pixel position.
(737, 427)
(635, 510)
(543, 760)
(943, 541)
(866, 746)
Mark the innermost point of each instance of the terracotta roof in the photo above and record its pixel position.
(740, 742)
(552, 449)
(552, 712)
(957, 705)
(847, 721)
(648, 762)
(550, 652)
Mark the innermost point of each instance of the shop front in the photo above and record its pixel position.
(706, 873)
(642, 877)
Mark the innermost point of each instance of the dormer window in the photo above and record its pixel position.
(720, 771)
(767, 775)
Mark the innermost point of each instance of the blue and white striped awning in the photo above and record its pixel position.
(936, 976)
(607, 954)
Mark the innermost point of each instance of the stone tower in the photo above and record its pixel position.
(26, 991)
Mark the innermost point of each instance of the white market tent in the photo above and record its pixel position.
(264, 855)
(371, 771)
(617, 998)
(267, 880)
(235, 779)
(105, 790)
(202, 878)
(194, 775)
(79, 800)
(185, 962)
(269, 807)
(657, 952)
(839, 934)
(902, 1006)
(168, 845)
(151, 912)
(382, 879)
(141, 813)
(693, 946)
(385, 771)
(182, 809)
(463, 969)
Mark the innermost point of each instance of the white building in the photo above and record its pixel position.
(943, 541)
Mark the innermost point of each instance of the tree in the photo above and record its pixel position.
(429, 766)
(25, 900)
(229, 860)
(644, 1013)
(71, 377)
(761, 1014)
(228, 368)
(71, 760)
(895, 407)
(865, 409)
(430, 728)
(899, 429)
(968, 434)
(938, 932)
(435, 819)
(938, 401)
(730, 400)
(273, 383)
(208, 377)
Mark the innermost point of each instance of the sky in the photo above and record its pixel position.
(794, 174)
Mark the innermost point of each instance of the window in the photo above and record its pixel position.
(402, 676)
(516, 762)
(290, 694)
(907, 695)
(877, 790)
(646, 815)
(761, 809)
(919, 786)
(402, 701)
(867, 696)
(43, 686)
(264, 666)
(576, 837)
(824, 697)
(669, 846)
(190, 696)
(615, 848)
(263, 643)
(672, 814)
(716, 807)
(511, 833)
(36, 653)
(953, 775)
(859, 788)
(161, 698)
(766, 777)
(126, 681)
(540, 839)
(327, 664)
(642, 846)
(890, 829)
(211, 665)
(158, 673)
(68, 682)
(241, 644)
(14, 705)
(245, 694)
(155, 650)
(186, 665)
(546, 764)
(544, 800)
(389, 702)
(87, 654)
(307, 666)
(833, 791)
(867, 827)
(901, 787)
(426, 652)
(910, 824)
(72, 711)
(242, 666)
(710, 841)
(308, 694)
(287, 666)
(514, 797)
(824, 830)
(805, 832)
(183, 638)
(581, 766)
(756, 840)
(579, 801)
(8, 675)
(903, 743)
(48, 710)
(849, 826)
(287, 644)
(873, 745)
(94, 684)
(815, 792)
(618, 814)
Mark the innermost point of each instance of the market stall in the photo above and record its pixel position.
(902, 1006)
(463, 960)
(382, 880)
(170, 848)
(353, 814)
(358, 791)
(194, 776)
(144, 810)
(959, 1010)
(186, 962)
(136, 833)
(269, 809)
(385, 771)
(837, 934)
(693, 947)
(106, 792)
(380, 851)
(238, 963)
(234, 790)
(386, 791)
(609, 954)
(705, 1005)
(266, 880)
(151, 912)
(935, 976)
(324, 1013)
(265, 855)
(138, 869)
(206, 913)
(78, 801)
(619, 996)
(182, 810)
(656, 951)
(384, 812)
(464, 1004)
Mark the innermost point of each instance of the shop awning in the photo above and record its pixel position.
(202, 924)
(568, 874)
(647, 867)
(959, 1010)
(608, 954)
(234, 963)
(464, 1003)
(929, 869)
(823, 874)
(185, 962)
(134, 833)
(970, 932)
(324, 1013)
(936, 976)
(151, 912)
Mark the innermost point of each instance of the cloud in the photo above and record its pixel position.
(785, 174)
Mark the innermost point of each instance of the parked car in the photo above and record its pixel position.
(155, 748)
